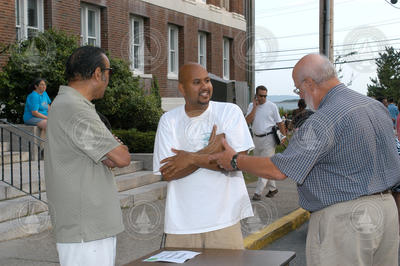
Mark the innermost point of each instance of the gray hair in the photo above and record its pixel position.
(320, 69)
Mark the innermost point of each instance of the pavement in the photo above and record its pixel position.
(274, 218)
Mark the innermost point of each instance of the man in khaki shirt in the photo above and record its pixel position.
(80, 151)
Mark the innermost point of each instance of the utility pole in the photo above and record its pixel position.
(326, 28)
(250, 45)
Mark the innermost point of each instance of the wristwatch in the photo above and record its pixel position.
(234, 162)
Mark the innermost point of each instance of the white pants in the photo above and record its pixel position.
(94, 253)
(264, 146)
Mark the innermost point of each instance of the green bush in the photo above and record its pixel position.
(138, 142)
(124, 104)
(43, 56)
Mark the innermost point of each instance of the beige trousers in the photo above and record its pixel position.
(364, 231)
(225, 238)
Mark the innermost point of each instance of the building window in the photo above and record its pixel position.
(90, 25)
(225, 4)
(173, 48)
(225, 59)
(137, 44)
(202, 49)
(28, 18)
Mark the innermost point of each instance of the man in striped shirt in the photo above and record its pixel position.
(344, 161)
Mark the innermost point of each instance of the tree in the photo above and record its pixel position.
(387, 82)
(125, 104)
(43, 56)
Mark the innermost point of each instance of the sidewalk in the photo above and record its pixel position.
(144, 225)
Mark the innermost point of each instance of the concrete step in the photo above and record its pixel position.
(136, 179)
(6, 146)
(148, 193)
(15, 157)
(133, 167)
(20, 207)
(25, 226)
(9, 192)
(26, 216)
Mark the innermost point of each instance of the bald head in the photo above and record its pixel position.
(315, 66)
(187, 71)
(195, 86)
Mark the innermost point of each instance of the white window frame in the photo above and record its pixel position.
(22, 27)
(139, 69)
(202, 54)
(173, 52)
(225, 58)
(225, 4)
(85, 8)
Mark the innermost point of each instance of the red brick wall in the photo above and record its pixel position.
(236, 6)
(7, 27)
(66, 15)
(115, 30)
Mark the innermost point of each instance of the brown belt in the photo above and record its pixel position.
(383, 192)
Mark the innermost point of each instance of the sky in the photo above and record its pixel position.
(288, 30)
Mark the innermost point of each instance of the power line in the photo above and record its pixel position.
(339, 30)
(343, 53)
(338, 45)
(297, 59)
(339, 63)
(392, 4)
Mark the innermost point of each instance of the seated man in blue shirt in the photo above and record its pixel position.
(344, 161)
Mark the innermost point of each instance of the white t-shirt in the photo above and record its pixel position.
(205, 200)
(267, 115)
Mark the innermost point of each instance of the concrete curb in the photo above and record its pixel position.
(276, 230)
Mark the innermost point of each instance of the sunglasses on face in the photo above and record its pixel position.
(110, 70)
(263, 96)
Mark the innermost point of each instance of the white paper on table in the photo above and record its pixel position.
(179, 256)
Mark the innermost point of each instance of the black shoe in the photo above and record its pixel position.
(256, 197)
(271, 193)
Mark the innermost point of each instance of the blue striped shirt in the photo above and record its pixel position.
(343, 151)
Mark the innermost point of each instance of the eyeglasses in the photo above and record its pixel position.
(263, 96)
(110, 70)
(297, 89)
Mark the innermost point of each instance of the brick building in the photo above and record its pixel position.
(156, 36)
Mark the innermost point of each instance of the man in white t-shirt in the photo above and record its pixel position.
(204, 205)
(263, 115)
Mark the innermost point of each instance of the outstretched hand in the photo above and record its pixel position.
(223, 159)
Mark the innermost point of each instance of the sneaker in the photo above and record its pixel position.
(271, 193)
(256, 197)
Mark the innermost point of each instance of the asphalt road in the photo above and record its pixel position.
(294, 241)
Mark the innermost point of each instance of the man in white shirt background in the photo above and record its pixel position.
(263, 115)
(204, 205)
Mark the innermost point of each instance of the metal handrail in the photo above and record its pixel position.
(4, 120)
(31, 141)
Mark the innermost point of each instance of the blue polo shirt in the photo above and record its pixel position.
(36, 102)
(345, 150)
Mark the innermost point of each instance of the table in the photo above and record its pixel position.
(226, 257)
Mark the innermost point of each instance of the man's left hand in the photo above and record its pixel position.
(176, 163)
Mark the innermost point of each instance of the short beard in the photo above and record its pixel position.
(309, 102)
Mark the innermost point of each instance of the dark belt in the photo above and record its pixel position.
(383, 192)
(263, 135)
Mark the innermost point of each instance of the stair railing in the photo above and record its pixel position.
(24, 141)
